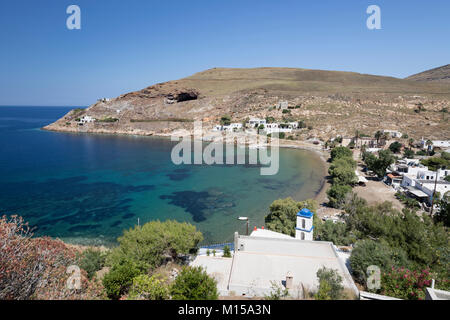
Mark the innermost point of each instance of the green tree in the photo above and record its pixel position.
(283, 214)
(443, 214)
(380, 254)
(330, 284)
(378, 136)
(395, 147)
(118, 280)
(379, 164)
(193, 283)
(334, 232)
(409, 154)
(146, 287)
(342, 171)
(225, 120)
(341, 152)
(336, 195)
(150, 245)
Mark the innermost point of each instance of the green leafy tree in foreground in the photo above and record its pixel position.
(154, 243)
(283, 214)
(337, 195)
(380, 254)
(193, 283)
(146, 287)
(341, 152)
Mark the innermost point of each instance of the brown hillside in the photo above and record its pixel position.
(330, 102)
(440, 74)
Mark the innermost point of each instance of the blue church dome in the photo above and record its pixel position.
(305, 212)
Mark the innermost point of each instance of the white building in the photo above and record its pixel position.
(283, 105)
(256, 121)
(86, 119)
(428, 188)
(267, 258)
(232, 127)
(278, 129)
(393, 133)
(443, 144)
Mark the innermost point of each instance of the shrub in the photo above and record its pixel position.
(150, 245)
(91, 261)
(193, 283)
(330, 284)
(278, 291)
(408, 154)
(227, 252)
(145, 287)
(35, 268)
(225, 120)
(405, 284)
(118, 280)
(380, 254)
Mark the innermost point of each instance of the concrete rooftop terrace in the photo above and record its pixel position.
(260, 262)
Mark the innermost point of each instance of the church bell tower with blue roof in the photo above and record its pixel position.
(304, 228)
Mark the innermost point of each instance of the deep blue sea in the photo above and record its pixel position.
(88, 188)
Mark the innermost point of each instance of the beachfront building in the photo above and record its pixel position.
(232, 127)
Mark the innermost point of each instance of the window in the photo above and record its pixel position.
(303, 223)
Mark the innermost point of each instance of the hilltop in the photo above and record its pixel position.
(329, 102)
(440, 74)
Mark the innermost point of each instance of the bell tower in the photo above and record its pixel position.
(304, 228)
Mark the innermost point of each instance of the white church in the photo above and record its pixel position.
(266, 257)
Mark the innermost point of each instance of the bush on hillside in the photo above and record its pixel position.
(193, 283)
(145, 287)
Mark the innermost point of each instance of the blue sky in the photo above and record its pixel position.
(127, 45)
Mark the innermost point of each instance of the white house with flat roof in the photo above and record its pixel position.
(443, 144)
(393, 133)
(256, 121)
(267, 259)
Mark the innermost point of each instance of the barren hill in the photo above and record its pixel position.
(440, 74)
(329, 102)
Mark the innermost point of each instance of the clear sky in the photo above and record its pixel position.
(127, 45)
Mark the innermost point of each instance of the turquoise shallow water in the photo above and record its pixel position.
(87, 188)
